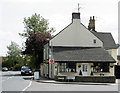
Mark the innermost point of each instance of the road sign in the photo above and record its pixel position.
(51, 61)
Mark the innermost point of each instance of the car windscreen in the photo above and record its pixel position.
(25, 68)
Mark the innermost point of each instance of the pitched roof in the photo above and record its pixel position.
(107, 39)
(79, 54)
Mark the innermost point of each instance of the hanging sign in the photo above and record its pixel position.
(51, 61)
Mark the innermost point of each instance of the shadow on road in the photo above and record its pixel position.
(12, 75)
(27, 78)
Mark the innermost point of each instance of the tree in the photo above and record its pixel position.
(35, 23)
(14, 54)
(36, 31)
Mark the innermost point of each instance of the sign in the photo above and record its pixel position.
(47, 61)
(51, 61)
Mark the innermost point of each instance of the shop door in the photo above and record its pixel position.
(84, 69)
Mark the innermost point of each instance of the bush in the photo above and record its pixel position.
(17, 67)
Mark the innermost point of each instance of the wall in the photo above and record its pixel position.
(44, 70)
(46, 51)
(114, 54)
(76, 35)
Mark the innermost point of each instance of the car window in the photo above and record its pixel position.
(25, 68)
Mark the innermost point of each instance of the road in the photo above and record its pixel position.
(13, 81)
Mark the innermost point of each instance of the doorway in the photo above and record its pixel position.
(85, 69)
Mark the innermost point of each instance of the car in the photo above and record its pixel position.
(26, 70)
(4, 69)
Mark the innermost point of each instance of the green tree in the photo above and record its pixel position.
(14, 54)
(35, 23)
(36, 33)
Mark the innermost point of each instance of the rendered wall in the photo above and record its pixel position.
(76, 35)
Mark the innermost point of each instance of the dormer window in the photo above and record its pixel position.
(94, 41)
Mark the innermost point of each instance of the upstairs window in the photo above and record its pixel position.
(94, 41)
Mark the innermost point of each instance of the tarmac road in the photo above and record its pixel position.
(13, 81)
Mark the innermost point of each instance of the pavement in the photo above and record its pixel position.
(46, 80)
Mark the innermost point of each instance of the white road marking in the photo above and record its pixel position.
(27, 86)
(8, 78)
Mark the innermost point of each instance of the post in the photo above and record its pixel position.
(51, 56)
(48, 55)
(48, 58)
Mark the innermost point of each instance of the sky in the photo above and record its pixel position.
(59, 15)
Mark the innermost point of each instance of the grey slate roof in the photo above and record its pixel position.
(68, 54)
(107, 39)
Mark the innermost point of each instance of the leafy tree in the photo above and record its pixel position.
(36, 31)
(35, 23)
(14, 54)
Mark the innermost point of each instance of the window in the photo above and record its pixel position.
(67, 67)
(101, 67)
(94, 41)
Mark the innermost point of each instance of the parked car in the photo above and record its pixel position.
(26, 70)
(4, 69)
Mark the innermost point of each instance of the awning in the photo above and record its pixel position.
(80, 54)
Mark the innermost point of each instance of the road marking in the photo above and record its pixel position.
(27, 86)
(7, 78)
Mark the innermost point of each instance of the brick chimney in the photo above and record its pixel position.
(75, 16)
(91, 26)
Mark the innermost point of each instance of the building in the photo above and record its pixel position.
(80, 53)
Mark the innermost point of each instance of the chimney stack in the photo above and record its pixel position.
(75, 16)
(91, 26)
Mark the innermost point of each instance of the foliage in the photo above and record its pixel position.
(14, 59)
(17, 67)
(37, 32)
(35, 23)
(14, 54)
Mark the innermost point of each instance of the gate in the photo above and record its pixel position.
(117, 72)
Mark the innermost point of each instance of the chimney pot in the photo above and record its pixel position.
(91, 25)
(93, 17)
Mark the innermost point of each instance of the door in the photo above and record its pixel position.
(84, 69)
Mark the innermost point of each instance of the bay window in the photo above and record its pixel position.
(68, 67)
(101, 67)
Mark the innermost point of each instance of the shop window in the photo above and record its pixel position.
(101, 67)
(67, 67)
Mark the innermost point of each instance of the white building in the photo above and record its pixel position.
(81, 53)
